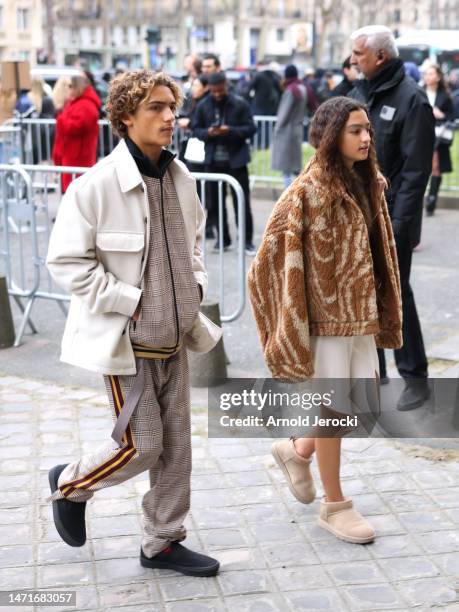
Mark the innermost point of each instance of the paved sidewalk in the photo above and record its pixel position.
(273, 556)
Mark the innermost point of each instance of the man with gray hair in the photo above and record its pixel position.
(403, 122)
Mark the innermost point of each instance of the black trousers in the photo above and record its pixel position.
(411, 359)
(242, 177)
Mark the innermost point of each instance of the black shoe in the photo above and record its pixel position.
(181, 559)
(415, 393)
(210, 233)
(226, 246)
(431, 205)
(250, 250)
(68, 515)
(384, 380)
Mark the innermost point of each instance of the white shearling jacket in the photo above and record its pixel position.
(97, 252)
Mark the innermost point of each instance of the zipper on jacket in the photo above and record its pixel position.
(170, 263)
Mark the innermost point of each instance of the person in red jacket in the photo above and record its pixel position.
(77, 129)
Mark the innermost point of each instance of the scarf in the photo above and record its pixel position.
(385, 75)
(293, 86)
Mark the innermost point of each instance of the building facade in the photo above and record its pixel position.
(104, 33)
(21, 34)
(110, 32)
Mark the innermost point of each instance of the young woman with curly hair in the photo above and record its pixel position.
(325, 292)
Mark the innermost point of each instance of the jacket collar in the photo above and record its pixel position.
(129, 175)
(145, 164)
(389, 77)
(320, 179)
(127, 172)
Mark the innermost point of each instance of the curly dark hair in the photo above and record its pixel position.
(324, 132)
(129, 89)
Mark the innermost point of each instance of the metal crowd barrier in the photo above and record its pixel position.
(38, 139)
(38, 135)
(29, 199)
(10, 144)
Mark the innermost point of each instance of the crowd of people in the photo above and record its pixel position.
(292, 99)
(76, 104)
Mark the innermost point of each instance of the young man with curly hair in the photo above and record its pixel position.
(127, 246)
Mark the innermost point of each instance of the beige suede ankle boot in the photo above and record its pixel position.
(341, 519)
(296, 469)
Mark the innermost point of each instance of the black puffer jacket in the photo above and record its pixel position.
(404, 126)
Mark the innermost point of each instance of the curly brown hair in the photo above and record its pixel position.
(129, 89)
(324, 132)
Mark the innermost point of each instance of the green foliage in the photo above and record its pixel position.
(261, 166)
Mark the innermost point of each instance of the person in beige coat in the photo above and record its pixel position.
(325, 292)
(127, 246)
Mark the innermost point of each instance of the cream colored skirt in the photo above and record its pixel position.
(345, 357)
(352, 361)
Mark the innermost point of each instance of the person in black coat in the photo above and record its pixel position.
(266, 86)
(350, 74)
(404, 124)
(443, 109)
(224, 122)
(267, 91)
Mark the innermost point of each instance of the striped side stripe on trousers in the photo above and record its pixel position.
(123, 456)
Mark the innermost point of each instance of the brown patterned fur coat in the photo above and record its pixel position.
(319, 271)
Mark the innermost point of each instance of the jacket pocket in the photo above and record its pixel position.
(121, 254)
(120, 241)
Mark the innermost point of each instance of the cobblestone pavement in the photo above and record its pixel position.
(272, 554)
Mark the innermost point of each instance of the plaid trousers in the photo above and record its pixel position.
(157, 439)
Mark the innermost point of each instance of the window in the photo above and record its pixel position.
(74, 33)
(1, 16)
(124, 7)
(22, 19)
(254, 37)
(280, 35)
(93, 36)
(397, 16)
